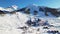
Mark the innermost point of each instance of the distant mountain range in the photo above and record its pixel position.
(40, 11)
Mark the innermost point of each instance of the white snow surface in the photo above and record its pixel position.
(9, 24)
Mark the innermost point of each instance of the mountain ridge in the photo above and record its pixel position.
(33, 9)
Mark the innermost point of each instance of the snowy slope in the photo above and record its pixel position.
(10, 23)
(13, 19)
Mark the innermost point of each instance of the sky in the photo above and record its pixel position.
(23, 3)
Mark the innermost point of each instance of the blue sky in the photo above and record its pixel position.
(23, 3)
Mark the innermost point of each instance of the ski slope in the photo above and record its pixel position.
(9, 24)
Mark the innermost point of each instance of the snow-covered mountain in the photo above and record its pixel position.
(12, 20)
(10, 8)
(40, 11)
